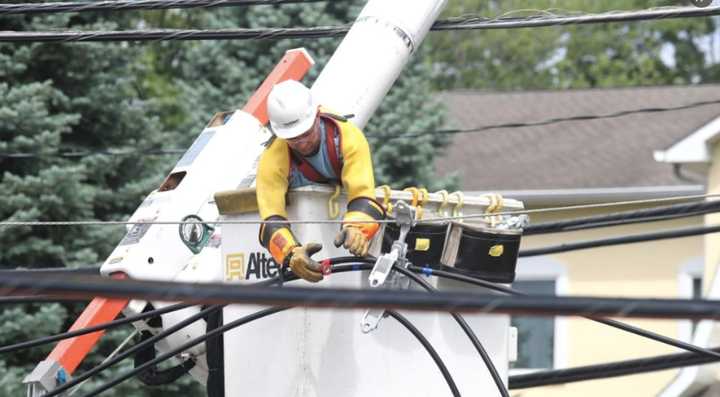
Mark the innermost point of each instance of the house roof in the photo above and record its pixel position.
(589, 154)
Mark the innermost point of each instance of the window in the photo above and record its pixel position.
(690, 282)
(536, 335)
(540, 340)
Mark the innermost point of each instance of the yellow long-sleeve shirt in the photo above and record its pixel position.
(275, 172)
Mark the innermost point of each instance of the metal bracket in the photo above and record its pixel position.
(382, 275)
(46, 376)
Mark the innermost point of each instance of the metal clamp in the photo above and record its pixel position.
(382, 275)
(46, 376)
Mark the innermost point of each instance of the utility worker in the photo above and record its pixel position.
(310, 146)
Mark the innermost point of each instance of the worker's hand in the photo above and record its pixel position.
(303, 265)
(353, 239)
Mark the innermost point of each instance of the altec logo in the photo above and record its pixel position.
(259, 266)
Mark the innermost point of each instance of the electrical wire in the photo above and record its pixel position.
(429, 348)
(420, 270)
(466, 328)
(609, 370)
(100, 327)
(65, 223)
(337, 268)
(612, 323)
(663, 213)
(629, 239)
(545, 19)
(214, 293)
(87, 153)
(177, 151)
(127, 5)
(545, 122)
(148, 343)
(460, 23)
(108, 358)
(144, 344)
(187, 345)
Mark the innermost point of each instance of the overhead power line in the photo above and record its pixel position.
(609, 370)
(128, 5)
(88, 330)
(550, 121)
(635, 238)
(662, 213)
(352, 298)
(459, 23)
(87, 153)
(555, 120)
(612, 323)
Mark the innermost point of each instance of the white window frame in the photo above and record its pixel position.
(691, 269)
(545, 268)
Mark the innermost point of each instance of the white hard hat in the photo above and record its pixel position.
(291, 109)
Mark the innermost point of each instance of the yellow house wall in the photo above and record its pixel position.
(635, 270)
(712, 254)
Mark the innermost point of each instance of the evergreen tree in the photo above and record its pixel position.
(58, 98)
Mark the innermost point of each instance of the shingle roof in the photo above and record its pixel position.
(616, 152)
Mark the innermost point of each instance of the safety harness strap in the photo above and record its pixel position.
(331, 129)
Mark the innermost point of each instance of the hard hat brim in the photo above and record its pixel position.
(297, 129)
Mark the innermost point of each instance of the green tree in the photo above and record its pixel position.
(599, 55)
(58, 98)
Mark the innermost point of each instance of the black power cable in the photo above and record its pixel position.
(661, 213)
(466, 328)
(212, 293)
(337, 268)
(127, 5)
(460, 23)
(100, 327)
(183, 347)
(429, 348)
(532, 229)
(133, 350)
(143, 345)
(554, 120)
(609, 370)
(612, 323)
(636, 238)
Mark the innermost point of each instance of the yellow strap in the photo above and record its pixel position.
(457, 210)
(424, 196)
(387, 191)
(415, 195)
(495, 206)
(443, 206)
(333, 206)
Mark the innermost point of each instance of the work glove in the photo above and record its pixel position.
(353, 239)
(303, 265)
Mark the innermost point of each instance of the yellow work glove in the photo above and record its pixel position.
(353, 239)
(303, 265)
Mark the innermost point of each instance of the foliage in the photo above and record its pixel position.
(581, 56)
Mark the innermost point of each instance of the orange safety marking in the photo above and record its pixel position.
(292, 66)
(70, 352)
